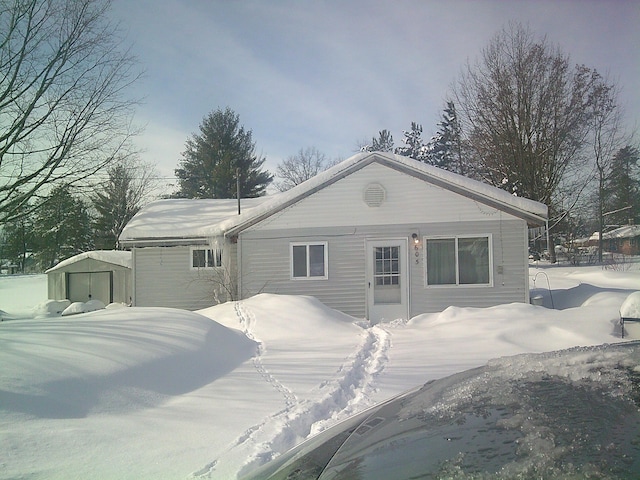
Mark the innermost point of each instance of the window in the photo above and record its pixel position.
(205, 258)
(309, 260)
(458, 260)
(387, 268)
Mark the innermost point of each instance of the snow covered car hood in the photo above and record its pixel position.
(566, 414)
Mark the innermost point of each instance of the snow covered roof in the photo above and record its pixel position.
(172, 221)
(627, 231)
(532, 211)
(115, 257)
(175, 220)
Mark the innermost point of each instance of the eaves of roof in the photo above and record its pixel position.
(499, 199)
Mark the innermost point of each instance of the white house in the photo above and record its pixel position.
(103, 275)
(378, 236)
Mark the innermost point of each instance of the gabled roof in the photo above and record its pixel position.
(529, 210)
(114, 257)
(167, 222)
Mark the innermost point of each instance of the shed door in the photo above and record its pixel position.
(85, 286)
(387, 280)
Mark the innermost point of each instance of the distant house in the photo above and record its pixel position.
(378, 236)
(624, 239)
(103, 275)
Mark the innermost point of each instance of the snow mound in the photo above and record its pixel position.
(50, 308)
(630, 308)
(116, 305)
(112, 362)
(83, 307)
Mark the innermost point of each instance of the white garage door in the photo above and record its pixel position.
(86, 286)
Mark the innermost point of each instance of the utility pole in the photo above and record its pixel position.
(238, 188)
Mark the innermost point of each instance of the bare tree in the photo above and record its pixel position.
(606, 140)
(300, 167)
(526, 112)
(63, 110)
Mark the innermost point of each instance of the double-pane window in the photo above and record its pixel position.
(309, 260)
(205, 258)
(458, 261)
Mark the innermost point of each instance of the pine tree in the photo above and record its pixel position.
(384, 142)
(119, 200)
(62, 228)
(445, 149)
(17, 240)
(215, 157)
(622, 187)
(415, 148)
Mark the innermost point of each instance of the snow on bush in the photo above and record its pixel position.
(630, 308)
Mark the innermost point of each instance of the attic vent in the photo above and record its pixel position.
(374, 195)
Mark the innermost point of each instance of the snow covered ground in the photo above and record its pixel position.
(158, 393)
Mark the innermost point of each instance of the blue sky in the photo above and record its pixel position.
(331, 73)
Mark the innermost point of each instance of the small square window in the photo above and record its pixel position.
(202, 258)
(309, 260)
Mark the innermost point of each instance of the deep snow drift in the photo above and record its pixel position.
(161, 393)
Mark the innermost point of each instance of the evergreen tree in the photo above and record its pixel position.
(445, 149)
(215, 157)
(119, 200)
(622, 187)
(62, 228)
(384, 142)
(18, 241)
(415, 148)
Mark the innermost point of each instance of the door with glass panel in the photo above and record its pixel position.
(387, 280)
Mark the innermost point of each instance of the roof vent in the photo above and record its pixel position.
(374, 195)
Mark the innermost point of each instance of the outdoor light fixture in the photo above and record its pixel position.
(415, 238)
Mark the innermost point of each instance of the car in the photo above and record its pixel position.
(566, 414)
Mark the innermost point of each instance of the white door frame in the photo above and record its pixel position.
(377, 312)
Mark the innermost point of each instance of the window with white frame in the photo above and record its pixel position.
(205, 258)
(460, 260)
(309, 260)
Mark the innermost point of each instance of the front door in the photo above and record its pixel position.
(387, 280)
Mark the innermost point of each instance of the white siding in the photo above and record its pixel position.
(339, 215)
(510, 269)
(266, 265)
(163, 278)
(407, 200)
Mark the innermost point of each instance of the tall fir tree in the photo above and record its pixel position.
(17, 240)
(118, 201)
(622, 187)
(384, 142)
(214, 158)
(445, 149)
(62, 228)
(414, 146)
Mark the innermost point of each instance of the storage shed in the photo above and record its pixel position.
(103, 275)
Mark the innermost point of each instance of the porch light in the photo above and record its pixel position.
(415, 238)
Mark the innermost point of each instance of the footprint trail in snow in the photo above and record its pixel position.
(347, 392)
